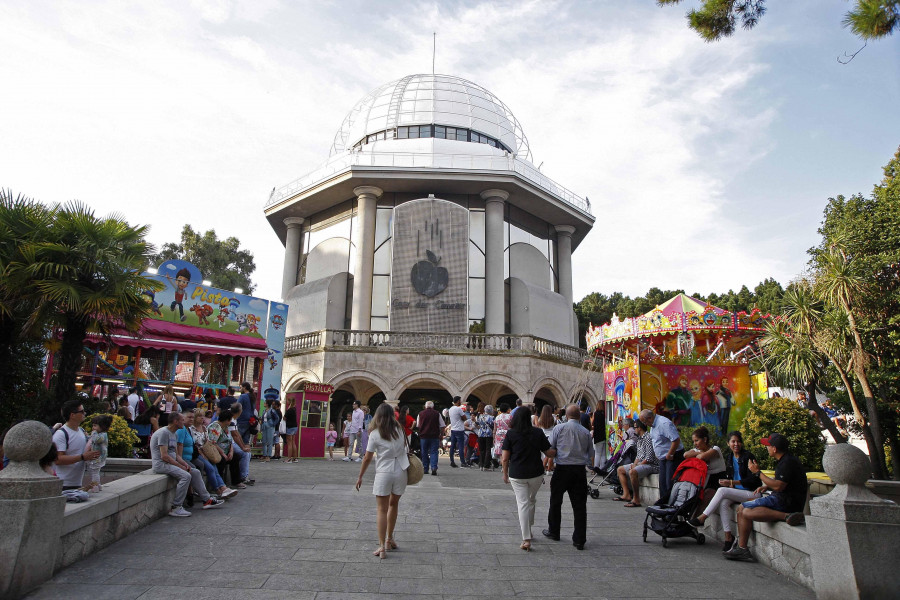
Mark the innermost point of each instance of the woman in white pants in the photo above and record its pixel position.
(388, 442)
(738, 486)
(523, 468)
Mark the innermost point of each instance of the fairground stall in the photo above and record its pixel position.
(200, 338)
(685, 359)
(313, 404)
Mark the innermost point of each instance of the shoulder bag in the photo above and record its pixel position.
(415, 471)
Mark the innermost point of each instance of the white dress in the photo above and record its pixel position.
(391, 464)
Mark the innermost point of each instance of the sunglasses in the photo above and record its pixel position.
(78, 411)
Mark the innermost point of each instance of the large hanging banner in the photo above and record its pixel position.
(275, 328)
(694, 395)
(623, 387)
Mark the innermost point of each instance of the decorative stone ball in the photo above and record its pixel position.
(28, 441)
(846, 464)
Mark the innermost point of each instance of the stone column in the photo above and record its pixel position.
(361, 315)
(31, 511)
(564, 260)
(493, 261)
(293, 247)
(852, 532)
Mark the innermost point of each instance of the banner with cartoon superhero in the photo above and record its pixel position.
(716, 397)
(275, 327)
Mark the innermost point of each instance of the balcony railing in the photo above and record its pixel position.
(475, 162)
(463, 343)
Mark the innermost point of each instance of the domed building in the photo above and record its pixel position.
(428, 257)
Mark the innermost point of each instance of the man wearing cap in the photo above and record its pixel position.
(786, 501)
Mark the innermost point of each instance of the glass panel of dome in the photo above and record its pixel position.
(476, 298)
(413, 132)
(402, 133)
(382, 261)
(476, 261)
(440, 132)
(462, 135)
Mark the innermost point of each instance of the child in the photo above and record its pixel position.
(100, 442)
(346, 436)
(49, 461)
(330, 439)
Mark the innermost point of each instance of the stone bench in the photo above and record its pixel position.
(124, 506)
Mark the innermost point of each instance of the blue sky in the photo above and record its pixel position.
(708, 165)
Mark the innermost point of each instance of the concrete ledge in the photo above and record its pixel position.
(124, 506)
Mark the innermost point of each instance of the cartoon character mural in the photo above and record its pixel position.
(154, 305)
(241, 320)
(622, 385)
(203, 311)
(271, 358)
(222, 316)
(252, 321)
(180, 283)
(693, 395)
(275, 346)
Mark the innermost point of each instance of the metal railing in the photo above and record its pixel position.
(389, 341)
(473, 162)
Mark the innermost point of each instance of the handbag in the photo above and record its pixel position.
(210, 451)
(415, 471)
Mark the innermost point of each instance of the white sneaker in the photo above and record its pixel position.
(346, 459)
(357, 459)
(229, 493)
(179, 511)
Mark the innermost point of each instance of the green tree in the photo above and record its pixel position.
(221, 261)
(83, 275)
(715, 19)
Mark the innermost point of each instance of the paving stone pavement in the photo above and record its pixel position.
(303, 532)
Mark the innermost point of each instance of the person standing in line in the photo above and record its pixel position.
(574, 452)
(71, 441)
(364, 432)
(165, 461)
(167, 403)
(345, 433)
(522, 467)
(133, 399)
(387, 441)
(247, 400)
(270, 421)
(457, 433)
(430, 424)
(501, 426)
(598, 434)
(290, 431)
(357, 419)
(484, 427)
(667, 445)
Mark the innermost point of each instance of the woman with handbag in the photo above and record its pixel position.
(522, 467)
(193, 426)
(219, 434)
(388, 442)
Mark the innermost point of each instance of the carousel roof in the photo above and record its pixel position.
(681, 314)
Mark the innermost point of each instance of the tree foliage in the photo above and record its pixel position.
(221, 261)
(784, 416)
(715, 19)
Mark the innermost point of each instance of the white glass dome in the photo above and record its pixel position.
(431, 100)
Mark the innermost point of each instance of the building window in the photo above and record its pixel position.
(431, 131)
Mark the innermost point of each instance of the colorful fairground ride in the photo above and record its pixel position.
(685, 359)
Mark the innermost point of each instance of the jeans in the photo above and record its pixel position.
(353, 442)
(244, 460)
(666, 471)
(569, 479)
(458, 442)
(185, 480)
(212, 473)
(268, 439)
(429, 453)
(244, 431)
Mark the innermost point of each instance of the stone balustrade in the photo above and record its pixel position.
(463, 343)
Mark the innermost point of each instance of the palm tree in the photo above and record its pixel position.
(85, 277)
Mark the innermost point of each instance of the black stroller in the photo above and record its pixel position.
(624, 454)
(668, 518)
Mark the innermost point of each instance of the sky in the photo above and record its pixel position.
(707, 165)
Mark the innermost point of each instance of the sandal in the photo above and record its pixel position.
(632, 505)
(526, 546)
(621, 499)
(379, 552)
(390, 544)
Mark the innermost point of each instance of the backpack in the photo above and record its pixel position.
(141, 406)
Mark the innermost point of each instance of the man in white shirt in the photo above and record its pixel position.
(70, 441)
(458, 432)
(354, 431)
(133, 400)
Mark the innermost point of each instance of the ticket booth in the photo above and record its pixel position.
(314, 404)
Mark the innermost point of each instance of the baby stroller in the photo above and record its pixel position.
(624, 454)
(668, 518)
(415, 445)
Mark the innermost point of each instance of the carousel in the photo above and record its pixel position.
(685, 359)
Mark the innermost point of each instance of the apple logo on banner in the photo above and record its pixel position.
(428, 278)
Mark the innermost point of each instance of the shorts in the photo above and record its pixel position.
(291, 431)
(642, 470)
(329, 444)
(771, 501)
(390, 483)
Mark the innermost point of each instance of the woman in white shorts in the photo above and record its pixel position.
(388, 444)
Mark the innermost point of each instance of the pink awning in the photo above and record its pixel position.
(162, 335)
